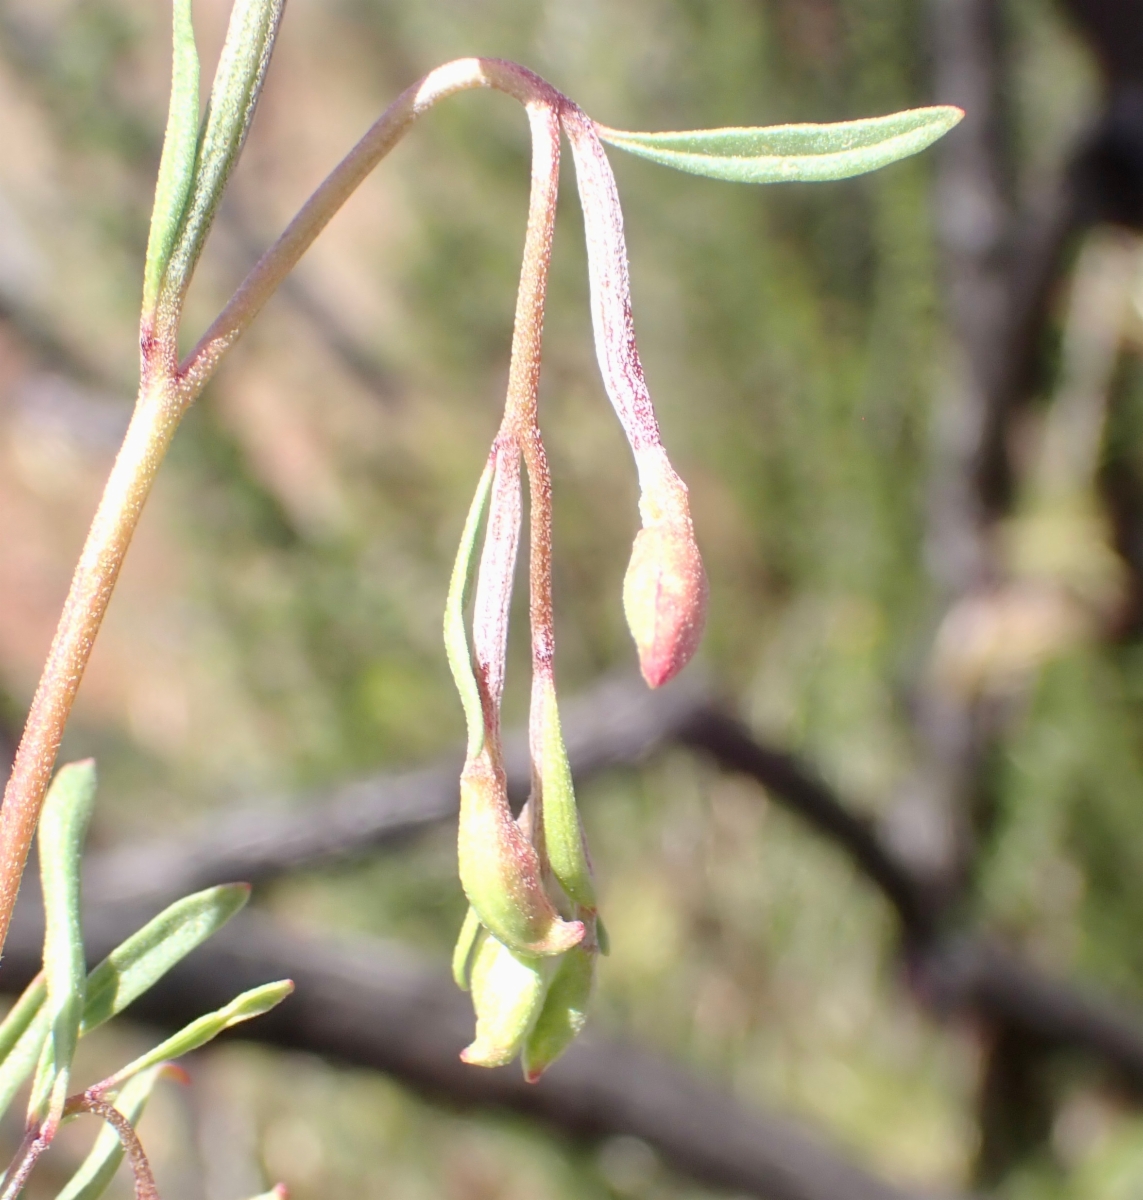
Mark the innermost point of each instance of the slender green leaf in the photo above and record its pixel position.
(21, 1038)
(455, 636)
(99, 1167)
(792, 153)
(21, 1060)
(233, 98)
(145, 957)
(63, 824)
(176, 167)
(21, 1015)
(250, 1004)
(129, 970)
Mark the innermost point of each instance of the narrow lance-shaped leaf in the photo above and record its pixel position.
(21, 1015)
(792, 153)
(21, 1059)
(176, 167)
(250, 1004)
(129, 970)
(455, 637)
(99, 1167)
(233, 98)
(145, 957)
(63, 824)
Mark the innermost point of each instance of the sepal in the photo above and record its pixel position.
(564, 1012)
(500, 869)
(563, 835)
(508, 991)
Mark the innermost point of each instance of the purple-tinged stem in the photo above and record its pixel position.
(30, 1149)
(615, 345)
(665, 588)
(145, 1188)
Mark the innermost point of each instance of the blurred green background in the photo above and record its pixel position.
(277, 624)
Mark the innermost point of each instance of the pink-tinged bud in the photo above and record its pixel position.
(500, 869)
(664, 597)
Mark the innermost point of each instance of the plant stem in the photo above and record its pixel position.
(521, 414)
(164, 396)
(21, 1165)
(316, 213)
(145, 1188)
(152, 425)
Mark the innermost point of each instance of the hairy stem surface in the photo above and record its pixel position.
(164, 396)
(148, 436)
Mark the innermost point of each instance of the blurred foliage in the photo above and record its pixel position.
(277, 626)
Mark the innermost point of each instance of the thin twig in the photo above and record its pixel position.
(145, 1188)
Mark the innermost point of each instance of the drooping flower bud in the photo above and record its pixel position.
(500, 869)
(508, 991)
(665, 589)
(563, 1014)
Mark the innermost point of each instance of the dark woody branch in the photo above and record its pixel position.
(370, 1005)
(619, 723)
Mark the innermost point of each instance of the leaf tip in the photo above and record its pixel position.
(175, 1073)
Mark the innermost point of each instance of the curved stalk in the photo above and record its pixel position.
(460, 75)
(165, 394)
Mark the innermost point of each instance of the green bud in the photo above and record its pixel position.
(508, 993)
(564, 1012)
(500, 869)
(563, 835)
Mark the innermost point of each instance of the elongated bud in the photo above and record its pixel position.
(500, 869)
(665, 589)
(508, 993)
(563, 834)
(563, 1014)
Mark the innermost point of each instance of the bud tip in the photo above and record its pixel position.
(664, 597)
